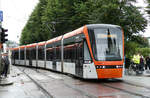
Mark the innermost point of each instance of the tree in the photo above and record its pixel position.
(148, 7)
(52, 18)
(119, 12)
(34, 31)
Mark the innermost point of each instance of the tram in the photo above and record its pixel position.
(94, 51)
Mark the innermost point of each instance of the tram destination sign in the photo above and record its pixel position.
(1, 16)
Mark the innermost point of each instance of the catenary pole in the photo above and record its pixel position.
(0, 41)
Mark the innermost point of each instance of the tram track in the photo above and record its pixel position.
(93, 96)
(127, 91)
(109, 84)
(82, 92)
(113, 87)
(46, 93)
(137, 85)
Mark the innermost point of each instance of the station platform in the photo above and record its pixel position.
(24, 87)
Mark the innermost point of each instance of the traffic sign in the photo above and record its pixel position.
(1, 16)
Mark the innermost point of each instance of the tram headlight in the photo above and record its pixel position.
(103, 66)
(87, 61)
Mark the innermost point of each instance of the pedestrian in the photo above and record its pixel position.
(147, 63)
(6, 64)
(141, 66)
(1, 66)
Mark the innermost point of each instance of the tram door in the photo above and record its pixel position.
(79, 60)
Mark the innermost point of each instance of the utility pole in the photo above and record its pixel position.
(1, 19)
(0, 47)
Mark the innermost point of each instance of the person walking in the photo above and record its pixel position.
(147, 63)
(141, 66)
(6, 64)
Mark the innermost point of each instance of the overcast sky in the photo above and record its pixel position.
(15, 15)
(17, 12)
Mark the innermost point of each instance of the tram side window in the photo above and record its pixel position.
(33, 53)
(41, 53)
(27, 53)
(16, 54)
(22, 54)
(13, 54)
(30, 54)
(74, 52)
(87, 56)
(80, 51)
(74, 55)
(65, 53)
(49, 54)
(70, 53)
(58, 53)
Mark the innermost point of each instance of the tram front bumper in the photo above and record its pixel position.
(109, 73)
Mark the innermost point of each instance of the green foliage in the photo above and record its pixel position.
(148, 6)
(34, 31)
(143, 42)
(138, 44)
(144, 51)
(52, 18)
(122, 13)
(131, 49)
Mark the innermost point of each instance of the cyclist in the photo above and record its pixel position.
(136, 61)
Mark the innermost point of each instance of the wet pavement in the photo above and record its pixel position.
(142, 80)
(32, 83)
(22, 87)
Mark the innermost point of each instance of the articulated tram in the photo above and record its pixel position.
(94, 51)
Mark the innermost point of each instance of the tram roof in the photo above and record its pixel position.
(21, 47)
(54, 39)
(73, 33)
(41, 43)
(31, 45)
(16, 48)
(102, 25)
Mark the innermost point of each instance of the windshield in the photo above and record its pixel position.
(106, 43)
